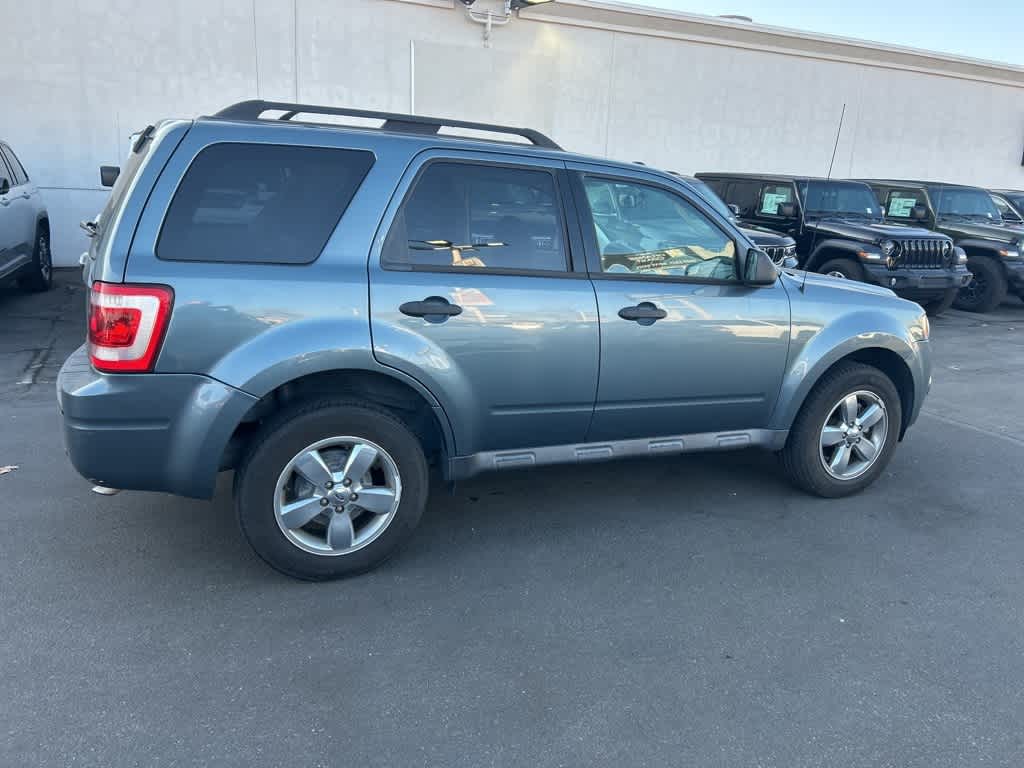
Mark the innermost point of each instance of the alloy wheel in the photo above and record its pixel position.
(853, 435)
(337, 495)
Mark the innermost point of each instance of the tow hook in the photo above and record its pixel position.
(102, 490)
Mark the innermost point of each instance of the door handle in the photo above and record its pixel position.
(645, 313)
(433, 309)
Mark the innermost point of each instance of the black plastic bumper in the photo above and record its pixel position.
(917, 282)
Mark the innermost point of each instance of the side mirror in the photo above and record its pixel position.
(735, 209)
(109, 174)
(786, 210)
(919, 213)
(5, 186)
(759, 269)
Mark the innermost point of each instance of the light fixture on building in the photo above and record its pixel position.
(491, 19)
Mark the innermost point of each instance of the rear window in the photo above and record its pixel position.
(260, 203)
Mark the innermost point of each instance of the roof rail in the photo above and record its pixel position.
(393, 121)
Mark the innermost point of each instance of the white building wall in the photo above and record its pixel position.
(682, 92)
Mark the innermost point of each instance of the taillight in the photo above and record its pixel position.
(126, 325)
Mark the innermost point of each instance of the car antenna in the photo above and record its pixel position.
(835, 147)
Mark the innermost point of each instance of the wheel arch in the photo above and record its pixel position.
(400, 394)
(827, 250)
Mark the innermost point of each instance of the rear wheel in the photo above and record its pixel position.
(40, 276)
(987, 288)
(844, 268)
(331, 489)
(845, 432)
(936, 307)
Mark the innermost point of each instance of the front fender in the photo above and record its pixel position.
(982, 247)
(825, 250)
(816, 349)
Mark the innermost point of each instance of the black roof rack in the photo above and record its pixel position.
(393, 121)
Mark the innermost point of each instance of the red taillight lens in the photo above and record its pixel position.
(126, 325)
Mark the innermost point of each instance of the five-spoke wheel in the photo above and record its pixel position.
(853, 435)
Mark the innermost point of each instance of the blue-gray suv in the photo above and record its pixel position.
(331, 311)
(24, 227)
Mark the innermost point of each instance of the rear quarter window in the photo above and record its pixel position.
(260, 203)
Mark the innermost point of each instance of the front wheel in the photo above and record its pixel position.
(987, 288)
(331, 489)
(845, 432)
(847, 269)
(40, 276)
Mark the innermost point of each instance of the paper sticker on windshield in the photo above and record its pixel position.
(901, 207)
(771, 202)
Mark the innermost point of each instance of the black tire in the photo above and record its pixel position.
(848, 268)
(287, 434)
(801, 456)
(987, 288)
(936, 307)
(40, 271)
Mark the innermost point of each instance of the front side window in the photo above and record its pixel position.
(1005, 209)
(17, 171)
(642, 230)
(477, 216)
(260, 203)
(902, 203)
(963, 202)
(773, 196)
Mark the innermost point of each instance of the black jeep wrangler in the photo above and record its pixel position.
(781, 248)
(994, 247)
(840, 230)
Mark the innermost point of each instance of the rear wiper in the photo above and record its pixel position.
(90, 227)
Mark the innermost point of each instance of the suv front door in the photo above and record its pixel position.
(473, 292)
(686, 348)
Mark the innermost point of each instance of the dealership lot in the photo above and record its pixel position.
(692, 610)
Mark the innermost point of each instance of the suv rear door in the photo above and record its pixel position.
(686, 348)
(477, 289)
(17, 216)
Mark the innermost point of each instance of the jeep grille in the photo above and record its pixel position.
(924, 254)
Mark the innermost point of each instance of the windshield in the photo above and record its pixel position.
(846, 198)
(963, 202)
(711, 198)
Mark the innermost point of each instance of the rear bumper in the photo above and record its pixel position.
(148, 432)
(917, 282)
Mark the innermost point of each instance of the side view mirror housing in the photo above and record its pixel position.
(109, 174)
(759, 269)
(735, 209)
(787, 210)
(919, 213)
(5, 186)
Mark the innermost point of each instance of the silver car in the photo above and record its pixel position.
(24, 227)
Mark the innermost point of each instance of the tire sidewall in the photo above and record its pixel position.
(36, 280)
(849, 268)
(993, 295)
(256, 483)
(817, 409)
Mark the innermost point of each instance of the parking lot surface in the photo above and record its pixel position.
(682, 611)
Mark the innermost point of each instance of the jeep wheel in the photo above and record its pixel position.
(936, 307)
(330, 489)
(40, 276)
(844, 268)
(987, 288)
(845, 432)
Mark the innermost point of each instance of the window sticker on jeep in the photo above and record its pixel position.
(773, 197)
(900, 206)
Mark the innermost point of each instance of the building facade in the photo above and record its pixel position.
(683, 92)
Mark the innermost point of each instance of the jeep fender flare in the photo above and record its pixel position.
(984, 248)
(824, 250)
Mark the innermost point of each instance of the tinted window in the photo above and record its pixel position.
(711, 198)
(260, 203)
(18, 172)
(479, 216)
(773, 196)
(1005, 209)
(839, 197)
(963, 201)
(5, 175)
(744, 195)
(645, 230)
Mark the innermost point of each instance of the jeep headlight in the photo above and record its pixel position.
(888, 248)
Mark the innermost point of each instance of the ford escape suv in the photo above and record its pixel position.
(839, 230)
(330, 311)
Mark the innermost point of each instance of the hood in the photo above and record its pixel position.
(1004, 233)
(795, 278)
(867, 231)
(761, 237)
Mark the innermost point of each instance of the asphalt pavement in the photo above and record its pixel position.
(684, 611)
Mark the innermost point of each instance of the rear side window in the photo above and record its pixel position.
(744, 195)
(20, 177)
(775, 195)
(260, 203)
(474, 216)
(902, 203)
